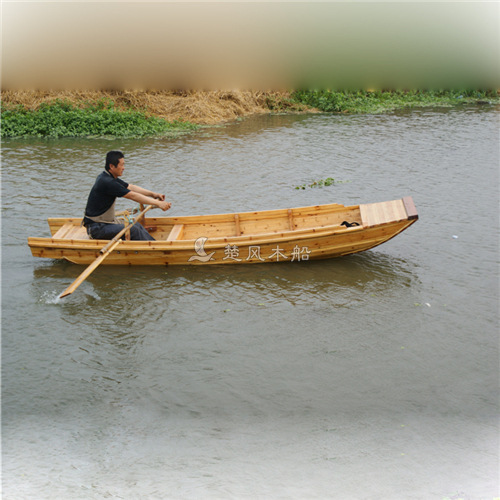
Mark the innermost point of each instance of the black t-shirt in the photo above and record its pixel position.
(104, 193)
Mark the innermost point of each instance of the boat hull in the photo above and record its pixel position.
(282, 242)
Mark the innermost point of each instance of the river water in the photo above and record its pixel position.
(373, 376)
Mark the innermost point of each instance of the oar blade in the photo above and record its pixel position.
(105, 251)
(65, 293)
(83, 276)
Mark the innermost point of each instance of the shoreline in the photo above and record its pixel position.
(198, 107)
(133, 113)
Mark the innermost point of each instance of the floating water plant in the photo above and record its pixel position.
(329, 181)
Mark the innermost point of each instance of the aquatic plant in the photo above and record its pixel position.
(92, 119)
(329, 181)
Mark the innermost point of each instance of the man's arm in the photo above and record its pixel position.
(148, 200)
(146, 192)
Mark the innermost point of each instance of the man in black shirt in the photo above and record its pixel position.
(100, 211)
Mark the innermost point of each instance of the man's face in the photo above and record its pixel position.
(118, 170)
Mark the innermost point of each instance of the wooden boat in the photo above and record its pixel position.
(287, 235)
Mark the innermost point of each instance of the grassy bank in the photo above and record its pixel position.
(102, 118)
(130, 113)
(381, 101)
(140, 114)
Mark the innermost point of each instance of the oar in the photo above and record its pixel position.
(105, 251)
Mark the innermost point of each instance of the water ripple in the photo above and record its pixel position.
(250, 380)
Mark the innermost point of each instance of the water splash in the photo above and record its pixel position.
(53, 297)
(50, 297)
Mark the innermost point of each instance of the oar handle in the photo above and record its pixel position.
(141, 217)
(125, 229)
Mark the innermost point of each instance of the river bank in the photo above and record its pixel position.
(134, 113)
(199, 107)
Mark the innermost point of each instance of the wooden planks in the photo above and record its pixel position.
(320, 245)
(71, 231)
(237, 224)
(316, 227)
(290, 219)
(176, 232)
(374, 214)
(64, 230)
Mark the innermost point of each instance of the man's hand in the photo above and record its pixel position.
(164, 205)
(156, 199)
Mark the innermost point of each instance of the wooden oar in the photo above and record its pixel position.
(105, 251)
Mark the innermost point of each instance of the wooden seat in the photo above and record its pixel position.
(71, 231)
(64, 230)
(80, 233)
(176, 232)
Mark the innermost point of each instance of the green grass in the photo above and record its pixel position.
(380, 101)
(63, 119)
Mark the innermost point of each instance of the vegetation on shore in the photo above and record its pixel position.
(379, 101)
(140, 114)
(183, 110)
(102, 118)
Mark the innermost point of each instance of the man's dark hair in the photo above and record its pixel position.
(113, 157)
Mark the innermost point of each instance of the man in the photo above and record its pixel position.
(100, 211)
